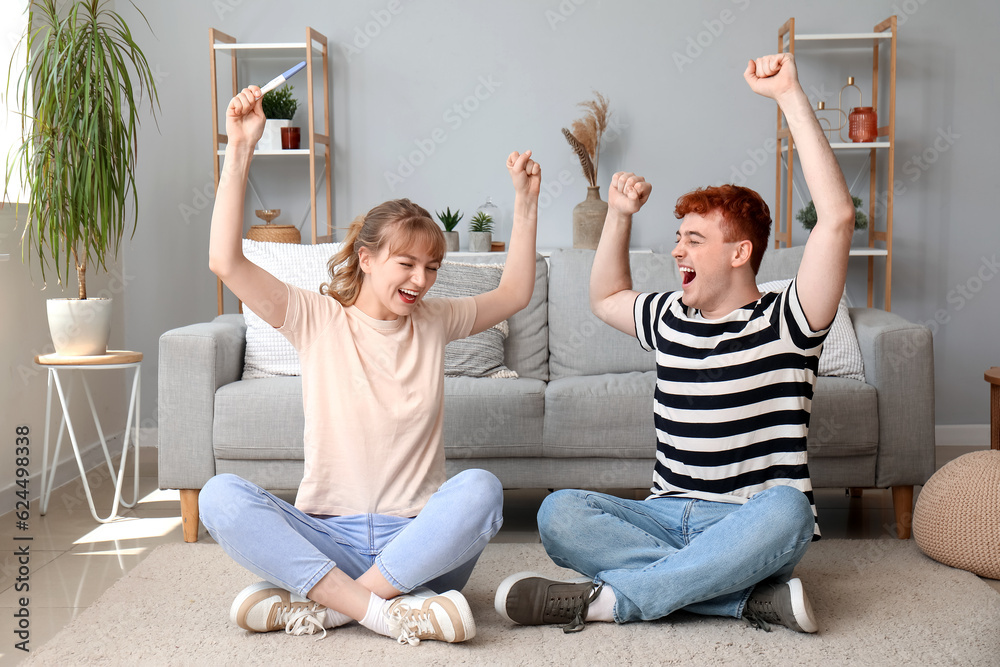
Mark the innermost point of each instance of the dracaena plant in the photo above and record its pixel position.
(80, 92)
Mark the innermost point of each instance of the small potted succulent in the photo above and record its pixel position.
(481, 232)
(807, 215)
(279, 108)
(450, 221)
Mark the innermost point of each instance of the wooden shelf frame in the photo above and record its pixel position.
(318, 137)
(885, 33)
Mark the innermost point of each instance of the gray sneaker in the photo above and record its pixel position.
(777, 603)
(528, 598)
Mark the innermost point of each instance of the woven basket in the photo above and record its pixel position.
(957, 517)
(275, 233)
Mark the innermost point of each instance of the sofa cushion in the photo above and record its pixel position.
(259, 419)
(580, 343)
(526, 350)
(841, 356)
(844, 419)
(479, 355)
(268, 353)
(608, 416)
(487, 417)
(780, 263)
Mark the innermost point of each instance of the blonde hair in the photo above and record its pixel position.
(396, 225)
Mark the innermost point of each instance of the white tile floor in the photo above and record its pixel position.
(74, 559)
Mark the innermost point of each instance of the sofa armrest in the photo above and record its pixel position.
(899, 363)
(194, 362)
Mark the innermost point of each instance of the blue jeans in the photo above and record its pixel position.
(279, 543)
(664, 554)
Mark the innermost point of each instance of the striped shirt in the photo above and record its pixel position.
(733, 396)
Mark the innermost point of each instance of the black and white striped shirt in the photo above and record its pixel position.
(733, 395)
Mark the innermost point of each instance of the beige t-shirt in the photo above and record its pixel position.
(373, 394)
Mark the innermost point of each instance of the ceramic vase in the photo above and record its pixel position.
(588, 219)
(451, 238)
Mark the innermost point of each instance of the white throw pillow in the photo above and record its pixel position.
(268, 353)
(480, 355)
(841, 356)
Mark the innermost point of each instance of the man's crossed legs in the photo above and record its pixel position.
(646, 559)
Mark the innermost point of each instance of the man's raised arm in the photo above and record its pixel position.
(823, 270)
(611, 295)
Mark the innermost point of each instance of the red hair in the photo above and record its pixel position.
(745, 216)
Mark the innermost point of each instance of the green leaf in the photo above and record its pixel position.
(87, 77)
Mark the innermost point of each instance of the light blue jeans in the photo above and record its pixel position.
(665, 554)
(279, 543)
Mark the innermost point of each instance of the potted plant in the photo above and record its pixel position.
(450, 220)
(279, 108)
(585, 139)
(79, 151)
(481, 232)
(807, 215)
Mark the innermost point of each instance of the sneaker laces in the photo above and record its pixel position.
(302, 619)
(760, 614)
(412, 623)
(573, 607)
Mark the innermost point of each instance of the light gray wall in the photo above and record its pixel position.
(681, 124)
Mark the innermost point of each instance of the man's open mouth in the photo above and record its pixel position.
(687, 274)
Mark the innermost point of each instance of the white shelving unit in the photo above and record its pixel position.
(317, 137)
(879, 227)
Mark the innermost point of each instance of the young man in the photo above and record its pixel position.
(731, 511)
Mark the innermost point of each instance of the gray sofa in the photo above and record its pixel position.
(579, 415)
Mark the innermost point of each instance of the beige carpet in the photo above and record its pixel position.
(879, 602)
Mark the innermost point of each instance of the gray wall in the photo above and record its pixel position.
(681, 124)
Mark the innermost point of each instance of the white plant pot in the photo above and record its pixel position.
(271, 139)
(79, 327)
(480, 241)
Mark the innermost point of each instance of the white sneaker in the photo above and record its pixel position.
(264, 607)
(445, 617)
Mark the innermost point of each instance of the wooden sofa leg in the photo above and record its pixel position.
(902, 505)
(189, 513)
(855, 491)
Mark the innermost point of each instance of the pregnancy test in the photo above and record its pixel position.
(281, 78)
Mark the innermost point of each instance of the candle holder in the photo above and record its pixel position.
(267, 214)
(861, 122)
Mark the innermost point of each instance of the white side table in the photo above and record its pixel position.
(59, 365)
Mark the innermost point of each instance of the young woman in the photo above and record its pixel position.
(375, 518)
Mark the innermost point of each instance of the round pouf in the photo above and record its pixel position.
(957, 517)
